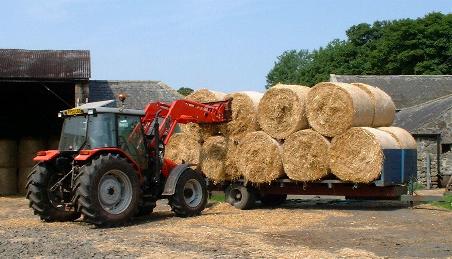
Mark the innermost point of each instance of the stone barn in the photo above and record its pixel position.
(424, 108)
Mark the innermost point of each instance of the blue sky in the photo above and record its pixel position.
(222, 45)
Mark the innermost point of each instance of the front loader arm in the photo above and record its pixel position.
(184, 111)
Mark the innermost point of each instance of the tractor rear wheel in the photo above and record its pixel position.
(107, 191)
(49, 205)
(190, 196)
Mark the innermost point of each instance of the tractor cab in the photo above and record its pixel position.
(93, 127)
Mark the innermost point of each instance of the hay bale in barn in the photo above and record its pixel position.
(183, 147)
(384, 107)
(259, 158)
(305, 155)
(8, 181)
(332, 108)
(28, 147)
(213, 157)
(357, 155)
(8, 153)
(282, 110)
(403, 137)
(202, 131)
(244, 112)
(22, 176)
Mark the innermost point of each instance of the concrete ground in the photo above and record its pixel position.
(299, 228)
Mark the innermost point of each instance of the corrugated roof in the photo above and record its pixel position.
(45, 64)
(431, 117)
(139, 93)
(405, 90)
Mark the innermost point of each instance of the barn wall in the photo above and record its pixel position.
(427, 146)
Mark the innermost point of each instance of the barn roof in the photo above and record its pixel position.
(431, 117)
(45, 64)
(139, 93)
(405, 90)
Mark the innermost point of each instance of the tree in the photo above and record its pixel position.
(407, 46)
(185, 91)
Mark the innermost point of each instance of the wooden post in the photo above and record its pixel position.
(81, 92)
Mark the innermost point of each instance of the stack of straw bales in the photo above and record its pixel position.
(303, 133)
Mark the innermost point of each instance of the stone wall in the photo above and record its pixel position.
(427, 147)
(446, 163)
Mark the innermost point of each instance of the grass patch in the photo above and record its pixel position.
(446, 203)
(217, 197)
(418, 186)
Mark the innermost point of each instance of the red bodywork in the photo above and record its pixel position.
(46, 155)
(179, 111)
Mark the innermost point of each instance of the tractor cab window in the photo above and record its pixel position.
(101, 131)
(130, 138)
(73, 134)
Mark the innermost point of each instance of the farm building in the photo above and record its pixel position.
(35, 85)
(424, 105)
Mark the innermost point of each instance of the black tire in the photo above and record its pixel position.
(190, 185)
(240, 196)
(88, 194)
(273, 199)
(40, 179)
(145, 208)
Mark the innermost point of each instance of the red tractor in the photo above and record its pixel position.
(109, 165)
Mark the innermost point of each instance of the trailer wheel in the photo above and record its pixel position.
(49, 205)
(273, 199)
(107, 191)
(240, 196)
(190, 196)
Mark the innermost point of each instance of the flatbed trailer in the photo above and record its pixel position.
(395, 183)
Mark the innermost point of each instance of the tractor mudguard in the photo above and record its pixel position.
(170, 184)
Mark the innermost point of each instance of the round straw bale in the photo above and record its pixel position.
(282, 110)
(357, 155)
(182, 146)
(384, 107)
(231, 170)
(203, 131)
(259, 158)
(200, 131)
(205, 96)
(8, 153)
(213, 157)
(332, 108)
(305, 155)
(403, 137)
(244, 112)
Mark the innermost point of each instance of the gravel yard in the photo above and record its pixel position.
(297, 229)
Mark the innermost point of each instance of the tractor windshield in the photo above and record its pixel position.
(73, 134)
(93, 131)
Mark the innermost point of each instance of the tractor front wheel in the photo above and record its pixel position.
(107, 191)
(190, 196)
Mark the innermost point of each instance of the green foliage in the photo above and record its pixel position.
(409, 46)
(218, 197)
(185, 91)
